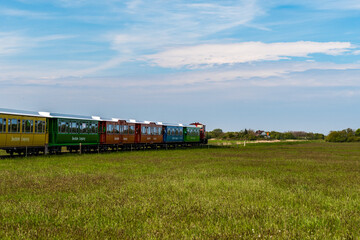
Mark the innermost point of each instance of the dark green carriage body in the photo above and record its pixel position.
(71, 132)
(191, 134)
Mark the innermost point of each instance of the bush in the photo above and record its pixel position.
(346, 135)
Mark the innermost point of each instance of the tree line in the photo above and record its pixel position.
(249, 134)
(346, 135)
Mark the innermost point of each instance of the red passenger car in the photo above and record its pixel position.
(115, 134)
(110, 134)
(148, 133)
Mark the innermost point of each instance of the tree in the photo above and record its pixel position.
(217, 133)
(337, 136)
(357, 132)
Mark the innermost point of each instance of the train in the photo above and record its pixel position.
(29, 132)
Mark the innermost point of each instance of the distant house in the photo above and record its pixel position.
(261, 133)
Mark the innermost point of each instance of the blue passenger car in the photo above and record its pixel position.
(173, 133)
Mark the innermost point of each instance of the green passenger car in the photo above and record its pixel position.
(191, 134)
(71, 132)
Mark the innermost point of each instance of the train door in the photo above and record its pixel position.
(137, 133)
(102, 131)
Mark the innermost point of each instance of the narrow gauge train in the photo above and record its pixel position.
(42, 132)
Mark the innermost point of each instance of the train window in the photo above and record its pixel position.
(109, 128)
(2, 124)
(70, 127)
(173, 131)
(176, 132)
(83, 128)
(181, 132)
(27, 126)
(62, 127)
(31, 126)
(169, 131)
(126, 129)
(117, 128)
(14, 125)
(121, 129)
(67, 128)
(132, 129)
(93, 128)
(73, 127)
(148, 130)
(143, 130)
(41, 127)
(37, 129)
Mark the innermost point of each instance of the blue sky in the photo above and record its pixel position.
(270, 65)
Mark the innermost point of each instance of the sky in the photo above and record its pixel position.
(270, 65)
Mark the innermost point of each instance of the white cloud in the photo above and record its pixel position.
(266, 74)
(12, 43)
(335, 4)
(24, 13)
(319, 4)
(212, 54)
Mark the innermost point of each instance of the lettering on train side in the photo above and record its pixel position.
(78, 138)
(25, 139)
(15, 139)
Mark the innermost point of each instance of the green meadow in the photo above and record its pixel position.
(266, 191)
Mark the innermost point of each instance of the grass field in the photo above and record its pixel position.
(280, 191)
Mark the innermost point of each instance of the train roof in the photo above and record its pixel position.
(47, 114)
(71, 116)
(20, 112)
(173, 124)
(83, 117)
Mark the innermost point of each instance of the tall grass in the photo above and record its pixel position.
(260, 191)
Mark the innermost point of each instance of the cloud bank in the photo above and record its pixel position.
(212, 54)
